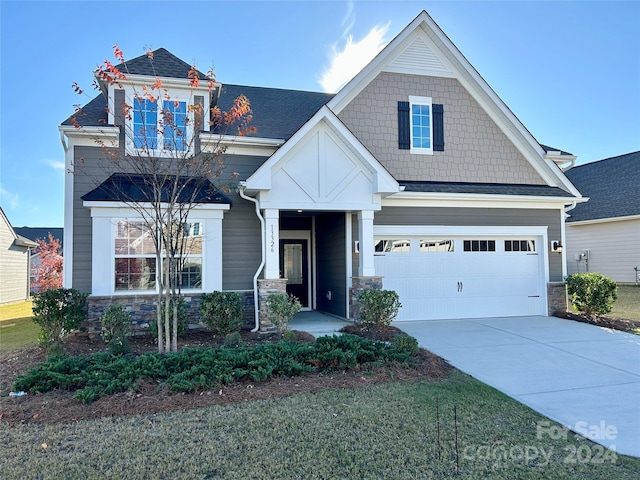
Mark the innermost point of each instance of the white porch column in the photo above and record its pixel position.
(367, 246)
(272, 248)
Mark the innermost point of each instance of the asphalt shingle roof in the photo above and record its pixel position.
(277, 113)
(484, 188)
(139, 188)
(164, 64)
(40, 233)
(612, 185)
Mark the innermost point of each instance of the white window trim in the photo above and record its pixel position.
(415, 100)
(103, 245)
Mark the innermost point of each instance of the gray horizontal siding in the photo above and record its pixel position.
(473, 217)
(241, 235)
(14, 268)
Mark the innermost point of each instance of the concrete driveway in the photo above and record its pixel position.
(586, 378)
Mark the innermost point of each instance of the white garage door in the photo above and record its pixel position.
(449, 277)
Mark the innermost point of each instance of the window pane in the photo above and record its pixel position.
(135, 274)
(191, 273)
(293, 263)
(145, 123)
(175, 125)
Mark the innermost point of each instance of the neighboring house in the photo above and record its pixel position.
(34, 234)
(14, 263)
(603, 235)
(414, 177)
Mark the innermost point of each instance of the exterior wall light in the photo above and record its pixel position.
(556, 246)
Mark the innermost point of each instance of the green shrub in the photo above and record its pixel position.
(116, 327)
(192, 369)
(222, 311)
(404, 343)
(182, 319)
(233, 340)
(378, 307)
(58, 312)
(592, 293)
(281, 309)
(288, 336)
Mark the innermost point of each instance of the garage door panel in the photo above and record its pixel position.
(459, 284)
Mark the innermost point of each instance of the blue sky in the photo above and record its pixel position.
(570, 71)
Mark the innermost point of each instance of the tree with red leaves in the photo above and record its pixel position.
(164, 148)
(48, 271)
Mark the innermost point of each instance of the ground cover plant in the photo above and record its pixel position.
(398, 430)
(93, 376)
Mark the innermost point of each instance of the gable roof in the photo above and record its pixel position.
(40, 233)
(422, 48)
(612, 185)
(164, 64)
(277, 113)
(18, 240)
(139, 188)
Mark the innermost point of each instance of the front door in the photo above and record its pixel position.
(294, 266)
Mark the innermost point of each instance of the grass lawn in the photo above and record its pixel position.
(628, 303)
(17, 330)
(388, 431)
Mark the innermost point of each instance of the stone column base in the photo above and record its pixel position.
(359, 285)
(557, 299)
(268, 287)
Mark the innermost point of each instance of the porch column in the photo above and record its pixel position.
(367, 247)
(272, 248)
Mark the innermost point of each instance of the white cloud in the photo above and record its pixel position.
(6, 197)
(347, 61)
(55, 164)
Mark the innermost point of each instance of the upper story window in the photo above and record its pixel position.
(421, 125)
(174, 116)
(145, 123)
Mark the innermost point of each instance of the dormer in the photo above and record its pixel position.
(158, 84)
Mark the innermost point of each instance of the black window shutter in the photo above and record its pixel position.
(438, 127)
(404, 135)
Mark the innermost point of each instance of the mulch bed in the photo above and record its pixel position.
(621, 324)
(151, 397)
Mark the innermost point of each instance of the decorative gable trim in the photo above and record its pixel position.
(419, 58)
(323, 167)
(437, 46)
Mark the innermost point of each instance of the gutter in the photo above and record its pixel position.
(241, 188)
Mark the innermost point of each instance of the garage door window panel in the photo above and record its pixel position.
(435, 245)
(479, 245)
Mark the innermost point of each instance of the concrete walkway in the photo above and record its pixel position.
(586, 378)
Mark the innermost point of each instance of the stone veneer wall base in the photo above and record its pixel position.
(142, 309)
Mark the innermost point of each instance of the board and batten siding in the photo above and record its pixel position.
(14, 267)
(474, 217)
(331, 263)
(614, 248)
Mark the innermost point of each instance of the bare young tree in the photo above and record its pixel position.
(159, 168)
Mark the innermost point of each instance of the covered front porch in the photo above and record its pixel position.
(316, 198)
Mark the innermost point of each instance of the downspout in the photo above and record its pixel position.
(563, 235)
(256, 304)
